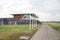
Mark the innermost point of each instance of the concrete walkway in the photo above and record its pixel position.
(46, 33)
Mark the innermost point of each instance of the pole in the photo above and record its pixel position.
(36, 22)
(30, 23)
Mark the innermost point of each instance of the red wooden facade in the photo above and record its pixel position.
(18, 16)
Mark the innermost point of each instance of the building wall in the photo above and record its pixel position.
(16, 21)
(18, 16)
(24, 16)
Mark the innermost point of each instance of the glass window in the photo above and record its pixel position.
(27, 16)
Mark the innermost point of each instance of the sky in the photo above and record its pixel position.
(46, 10)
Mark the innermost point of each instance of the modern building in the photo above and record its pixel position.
(20, 19)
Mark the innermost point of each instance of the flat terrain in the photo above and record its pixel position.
(46, 32)
(55, 26)
(13, 32)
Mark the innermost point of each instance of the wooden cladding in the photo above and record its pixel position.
(18, 16)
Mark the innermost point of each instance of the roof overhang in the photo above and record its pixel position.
(27, 13)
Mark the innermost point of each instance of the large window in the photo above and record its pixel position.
(26, 16)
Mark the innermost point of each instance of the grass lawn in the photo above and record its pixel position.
(13, 32)
(55, 26)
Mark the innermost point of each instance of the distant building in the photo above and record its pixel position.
(20, 19)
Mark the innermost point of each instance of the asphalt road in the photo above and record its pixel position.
(46, 33)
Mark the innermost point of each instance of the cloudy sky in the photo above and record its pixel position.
(47, 10)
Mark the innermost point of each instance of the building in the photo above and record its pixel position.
(20, 19)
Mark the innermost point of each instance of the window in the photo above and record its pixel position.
(26, 16)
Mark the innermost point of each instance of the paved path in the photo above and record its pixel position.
(46, 33)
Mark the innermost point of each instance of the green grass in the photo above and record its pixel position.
(14, 28)
(13, 32)
(55, 26)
